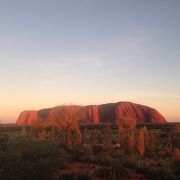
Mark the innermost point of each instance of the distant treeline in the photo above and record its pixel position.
(162, 127)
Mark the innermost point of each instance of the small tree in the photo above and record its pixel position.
(131, 141)
(42, 135)
(140, 141)
(125, 126)
(94, 136)
(152, 139)
(106, 134)
(67, 118)
(24, 131)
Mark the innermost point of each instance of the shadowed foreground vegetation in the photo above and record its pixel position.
(125, 151)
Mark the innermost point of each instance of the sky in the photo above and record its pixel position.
(89, 52)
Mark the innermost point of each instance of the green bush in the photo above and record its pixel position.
(26, 159)
(115, 171)
(98, 148)
(113, 167)
(105, 159)
(158, 173)
(132, 161)
(81, 153)
(103, 172)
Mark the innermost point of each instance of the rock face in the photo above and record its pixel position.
(27, 117)
(105, 113)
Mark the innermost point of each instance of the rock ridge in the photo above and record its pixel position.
(104, 113)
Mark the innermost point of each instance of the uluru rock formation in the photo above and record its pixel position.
(27, 117)
(105, 113)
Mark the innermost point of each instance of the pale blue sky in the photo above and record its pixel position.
(89, 52)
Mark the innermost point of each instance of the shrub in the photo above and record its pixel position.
(27, 159)
(116, 171)
(81, 153)
(132, 161)
(158, 173)
(105, 159)
(97, 148)
(103, 172)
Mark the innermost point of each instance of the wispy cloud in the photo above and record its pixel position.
(135, 50)
(96, 62)
(68, 62)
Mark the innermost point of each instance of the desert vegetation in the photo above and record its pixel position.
(72, 151)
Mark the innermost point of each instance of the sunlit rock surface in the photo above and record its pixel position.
(105, 113)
